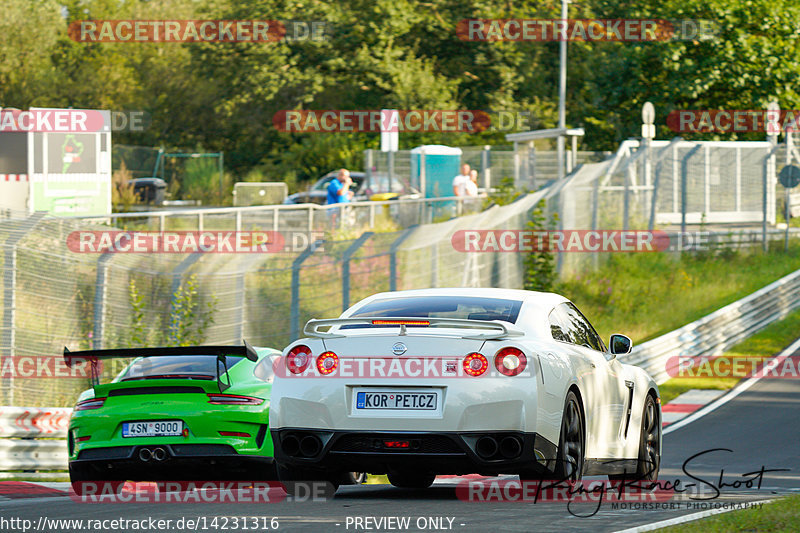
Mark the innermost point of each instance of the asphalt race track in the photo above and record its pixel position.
(759, 427)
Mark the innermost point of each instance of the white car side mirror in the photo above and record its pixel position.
(620, 344)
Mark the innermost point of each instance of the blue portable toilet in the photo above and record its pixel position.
(442, 164)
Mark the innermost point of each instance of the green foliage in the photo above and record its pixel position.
(644, 295)
(504, 193)
(138, 334)
(540, 266)
(188, 320)
(391, 54)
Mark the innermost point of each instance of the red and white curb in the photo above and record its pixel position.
(13, 177)
(686, 404)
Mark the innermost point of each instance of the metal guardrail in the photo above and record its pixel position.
(711, 335)
(32, 439)
(715, 333)
(305, 217)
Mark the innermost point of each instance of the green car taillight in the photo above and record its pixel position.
(94, 403)
(233, 399)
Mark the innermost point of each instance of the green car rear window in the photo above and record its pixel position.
(183, 366)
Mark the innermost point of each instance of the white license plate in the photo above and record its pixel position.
(417, 401)
(154, 428)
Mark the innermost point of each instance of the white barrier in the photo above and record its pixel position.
(42, 454)
(33, 438)
(31, 422)
(715, 333)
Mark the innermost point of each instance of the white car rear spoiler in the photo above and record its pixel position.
(499, 328)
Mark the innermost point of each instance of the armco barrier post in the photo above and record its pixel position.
(294, 316)
(346, 267)
(7, 341)
(393, 256)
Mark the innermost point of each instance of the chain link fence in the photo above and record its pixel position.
(528, 167)
(54, 297)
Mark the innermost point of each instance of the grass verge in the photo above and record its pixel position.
(780, 516)
(645, 295)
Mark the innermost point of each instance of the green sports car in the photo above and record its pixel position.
(184, 413)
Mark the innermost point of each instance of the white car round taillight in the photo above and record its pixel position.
(327, 363)
(298, 359)
(475, 364)
(510, 361)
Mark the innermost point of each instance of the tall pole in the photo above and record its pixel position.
(562, 93)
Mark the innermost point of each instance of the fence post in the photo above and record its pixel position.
(422, 177)
(238, 220)
(199, 221)
(177, 278)
(294, 315)
(368, 164)
(738, 171)
(346, 267)
(393, 256)
(434, 265)
(100, 293)
(486, 170)
(626, 199)
(768, 161)
(706, 180)
(684, 183)
(241, 315)
(9, 290)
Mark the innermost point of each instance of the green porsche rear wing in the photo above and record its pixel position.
(92, 357)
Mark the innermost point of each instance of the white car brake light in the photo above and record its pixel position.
(475, 364)
(298, 359)
(327, 363)
(510, 361)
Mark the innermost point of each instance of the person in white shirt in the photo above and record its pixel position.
(471, 187)
(460, 181)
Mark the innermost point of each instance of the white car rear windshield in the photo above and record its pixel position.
(469, 307)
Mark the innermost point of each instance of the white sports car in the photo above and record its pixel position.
(455, 381)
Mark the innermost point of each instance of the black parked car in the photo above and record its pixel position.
(149, 190)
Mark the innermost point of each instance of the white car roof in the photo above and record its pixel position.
(534, 301)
